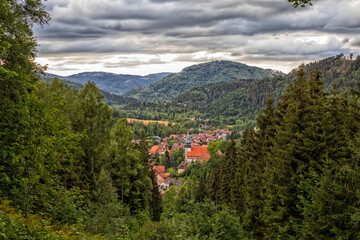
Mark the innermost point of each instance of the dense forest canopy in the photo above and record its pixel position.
(200, 74)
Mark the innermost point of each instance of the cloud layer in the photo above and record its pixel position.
(142, 36)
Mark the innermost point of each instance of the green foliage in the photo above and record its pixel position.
(14, 226)
(17, 73)
(93, 118)
(186, 218)
(111, 98)
(154, 129)
(212, 72)
(177, 157)
(227, 173)
(156, 199)
(301, 3)
(107, 214)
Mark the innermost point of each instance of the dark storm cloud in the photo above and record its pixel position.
(261, 29)
(149, 17)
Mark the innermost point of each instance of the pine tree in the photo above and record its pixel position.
(18, 73)
(155, 205)
(330, 210)
(167, 159)
(93, 118)
(106, 212)
(252, 158)
(299, 149)
(201, 190)
(227, 172)
(213, 185)
(128, 169)
(143, 147)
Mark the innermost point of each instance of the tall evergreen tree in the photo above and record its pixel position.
(251, 171)
(92, 117)
(227, 172)
(213, 184)
(201, 190)
(299, 147)
(17, 74)
(167, 159)
(128, 170)
(155, 206)
(107, 214)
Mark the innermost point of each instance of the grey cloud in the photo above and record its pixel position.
(355, 42)
(261, 28)
(132, 63)
(150, 18)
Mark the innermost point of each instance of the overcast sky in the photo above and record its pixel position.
(148, 36)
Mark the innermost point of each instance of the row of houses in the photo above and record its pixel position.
(164, 180)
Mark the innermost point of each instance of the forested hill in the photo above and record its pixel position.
(205, 73)
(338, 69)
(240, 97)
(239, 101)
(114, 83)
(112, 99)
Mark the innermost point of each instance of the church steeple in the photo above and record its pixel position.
(187, 145)
(187, 141)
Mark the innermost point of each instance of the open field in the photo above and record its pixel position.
(146, 122)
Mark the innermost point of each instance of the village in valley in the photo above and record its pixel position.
(171, 156)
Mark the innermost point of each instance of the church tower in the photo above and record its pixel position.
(187, 146)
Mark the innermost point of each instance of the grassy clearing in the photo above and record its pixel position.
(146, 122)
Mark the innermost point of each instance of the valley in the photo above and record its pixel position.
(194, 143)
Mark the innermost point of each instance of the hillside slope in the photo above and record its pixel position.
(241, 100)
(112, 99)
(205, 73)
(114, 83)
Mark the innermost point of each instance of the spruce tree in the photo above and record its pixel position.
(299, 149)
(155, 206)
(106, 213)
(201, 190)
(18, 73)
(331, 208)
(227, 172)
(167, 159)
(213, 184)
(92, 117)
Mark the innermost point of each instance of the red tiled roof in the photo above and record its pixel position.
(199, 152)
(160, 180)
(154, 149)
(159, 169)
(164, 175)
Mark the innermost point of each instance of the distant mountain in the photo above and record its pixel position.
(112, 99)
(114, 83)
(205, 73)
(241, 100)
(234, 98)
